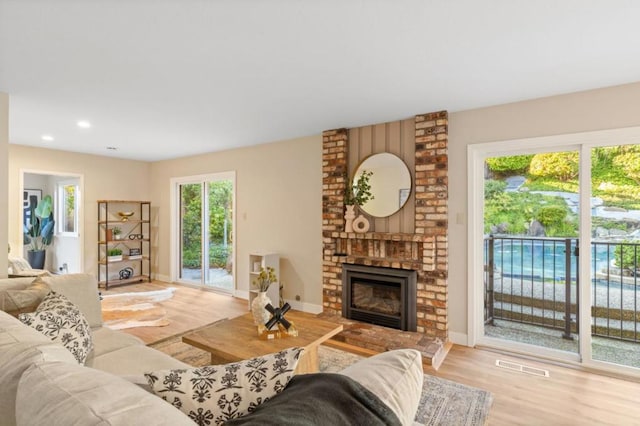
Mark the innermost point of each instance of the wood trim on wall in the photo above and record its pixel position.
(398, 138)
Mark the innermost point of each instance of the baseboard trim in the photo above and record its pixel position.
(163, 278)
(459, 338)
(305, 307)
(241, 294)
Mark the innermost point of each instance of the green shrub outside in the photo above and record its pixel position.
(559, 165)
(516, 210)
(218, 255)
(191, 258)
(551, 215)
(615, 177)
(509, 165)
(493, 187)
(605, 223)
(630, 164)
(627, 256)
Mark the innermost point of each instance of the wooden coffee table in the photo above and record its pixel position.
(237, 339)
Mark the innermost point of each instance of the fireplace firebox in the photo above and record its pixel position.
(382, 296)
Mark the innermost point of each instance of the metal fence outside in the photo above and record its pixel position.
(536, 281)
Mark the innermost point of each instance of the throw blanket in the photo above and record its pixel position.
(321, 399)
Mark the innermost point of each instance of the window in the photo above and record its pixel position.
(67, 214)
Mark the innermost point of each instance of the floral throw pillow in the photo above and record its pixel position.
(214, 394)
(60, 320)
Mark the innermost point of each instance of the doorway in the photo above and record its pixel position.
(204, 225)
(554, 246)
(65, 253)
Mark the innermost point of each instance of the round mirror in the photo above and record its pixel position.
(390, 182)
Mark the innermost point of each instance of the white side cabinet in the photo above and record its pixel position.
(264, 260)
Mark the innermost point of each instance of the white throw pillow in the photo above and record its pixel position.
(217, 393)
(27, 299)
(82, 290)
(18, 264)
(62, 321)
(395, 377)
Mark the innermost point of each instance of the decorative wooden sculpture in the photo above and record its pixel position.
(285, 327)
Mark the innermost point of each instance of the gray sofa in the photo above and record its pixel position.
(41, 383)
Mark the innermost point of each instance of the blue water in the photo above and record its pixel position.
(543, 259)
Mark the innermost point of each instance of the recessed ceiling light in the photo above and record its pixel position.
(83, 124)
(47, 138)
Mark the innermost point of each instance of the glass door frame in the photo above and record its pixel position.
(476, 155)
(175, 251)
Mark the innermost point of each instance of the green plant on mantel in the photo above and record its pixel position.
(358, 192)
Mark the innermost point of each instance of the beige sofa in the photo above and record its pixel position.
(41, 383)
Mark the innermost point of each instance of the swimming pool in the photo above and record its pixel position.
(543, 258)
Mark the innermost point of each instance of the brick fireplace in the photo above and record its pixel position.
(418, 245)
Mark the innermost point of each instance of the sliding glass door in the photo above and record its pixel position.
(531, 212)
(205, 229)
(555, 249)
(615, 254)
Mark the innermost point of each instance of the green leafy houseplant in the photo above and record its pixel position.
(359, 192)
(114, 252)
(265, 278)
(39, 232)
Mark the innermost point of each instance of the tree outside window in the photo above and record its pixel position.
(68, 211)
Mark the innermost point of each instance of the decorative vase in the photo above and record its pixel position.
(349, 215)
(360, 225)
(260, 314)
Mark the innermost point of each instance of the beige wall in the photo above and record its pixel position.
(278, 208)
(4, 154)
(609, 108)
(104, 178)
(279, 185)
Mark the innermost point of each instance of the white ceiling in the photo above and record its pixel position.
(162, 79)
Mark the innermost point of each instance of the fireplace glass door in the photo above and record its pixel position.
(372, 296)
(378, 295)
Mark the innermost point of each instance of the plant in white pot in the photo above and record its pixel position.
(117, 232)
(356, 194)
(114, 255)
(39, 232)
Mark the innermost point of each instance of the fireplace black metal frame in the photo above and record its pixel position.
(406, 279)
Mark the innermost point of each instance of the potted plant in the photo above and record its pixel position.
(356, 194)
(116, 231)
(39, 232)
(114, 255)
(265, 278)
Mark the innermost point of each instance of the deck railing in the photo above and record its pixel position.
(536, 281)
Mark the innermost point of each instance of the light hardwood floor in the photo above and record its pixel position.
(189, 308)
(567, 397)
